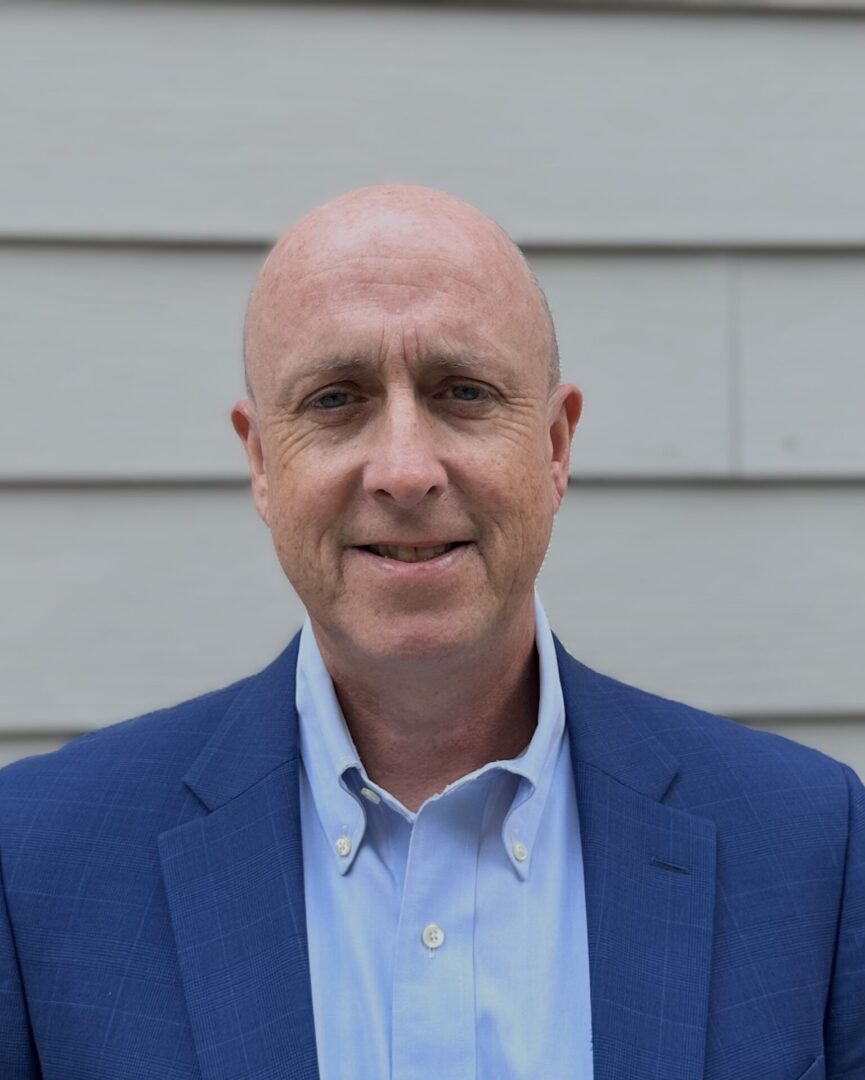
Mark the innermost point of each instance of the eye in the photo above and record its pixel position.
(332, 399)
(468, 392)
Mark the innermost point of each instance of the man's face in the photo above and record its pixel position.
(406, 452)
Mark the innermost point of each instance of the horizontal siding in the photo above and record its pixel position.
(748, 602)
(802, 340)
(117, 610)
(13, 747)
(646, 338)
(816, 7)
(569, 126)
(690, 188)
(127, 362)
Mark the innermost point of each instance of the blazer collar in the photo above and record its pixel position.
(256, 735)
(607, 732)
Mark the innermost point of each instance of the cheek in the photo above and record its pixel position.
(304, 490)
(524, 475)
(288, 539)
(514, 494)
(530, 503)
(301, 512)
(310, 516)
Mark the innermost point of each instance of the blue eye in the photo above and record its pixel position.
(333, 399)
(467, 392)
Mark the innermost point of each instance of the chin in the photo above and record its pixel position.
(416, 637)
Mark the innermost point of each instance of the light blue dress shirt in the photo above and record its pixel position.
(449, 943)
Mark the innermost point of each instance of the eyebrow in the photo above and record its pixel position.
(331, 365)
(341, 366)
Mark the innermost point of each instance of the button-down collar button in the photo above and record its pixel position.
(432, 936)
(343, 846)
(369, 794)
(521, 852)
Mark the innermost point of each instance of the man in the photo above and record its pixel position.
(424, 842)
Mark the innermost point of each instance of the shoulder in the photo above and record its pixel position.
(723, 769)
(696, 735)
(97, 805)
(137, 761)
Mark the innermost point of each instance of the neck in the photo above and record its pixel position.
(418, 730)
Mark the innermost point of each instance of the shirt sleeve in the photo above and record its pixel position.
(845, 1016)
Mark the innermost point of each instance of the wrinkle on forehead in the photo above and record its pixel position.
(424, 237)
(412, 263)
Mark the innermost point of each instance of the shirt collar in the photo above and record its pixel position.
(537, 763)
(328, 752)
(336, 774)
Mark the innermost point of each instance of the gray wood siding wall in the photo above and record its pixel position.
(690, 189)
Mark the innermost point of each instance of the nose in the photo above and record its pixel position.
(403, 465)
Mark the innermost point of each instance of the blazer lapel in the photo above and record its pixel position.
(650, 888)
(234, 884)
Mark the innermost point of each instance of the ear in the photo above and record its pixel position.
(243, 418)
(566, 404)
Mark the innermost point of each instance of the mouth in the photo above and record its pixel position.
(411, 554)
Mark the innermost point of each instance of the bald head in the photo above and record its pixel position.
(408, 227)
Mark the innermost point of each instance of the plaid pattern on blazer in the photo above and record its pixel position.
(152, 922)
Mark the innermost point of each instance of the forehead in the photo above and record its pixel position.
(355, 286)
(366, 295)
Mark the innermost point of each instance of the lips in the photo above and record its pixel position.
(410, 553)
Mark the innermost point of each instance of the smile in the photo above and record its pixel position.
(410, 554)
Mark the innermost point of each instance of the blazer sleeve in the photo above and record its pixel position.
(845, 1017)
(18, 1060)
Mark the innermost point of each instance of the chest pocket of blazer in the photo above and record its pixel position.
(817, 1071)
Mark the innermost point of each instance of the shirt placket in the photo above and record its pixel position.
(433, 1013)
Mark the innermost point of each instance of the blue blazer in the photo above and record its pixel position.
(152, 922)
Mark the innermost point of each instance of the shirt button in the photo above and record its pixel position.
(432, 936)
(368, 793)
(343, 846)
(521, 852)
